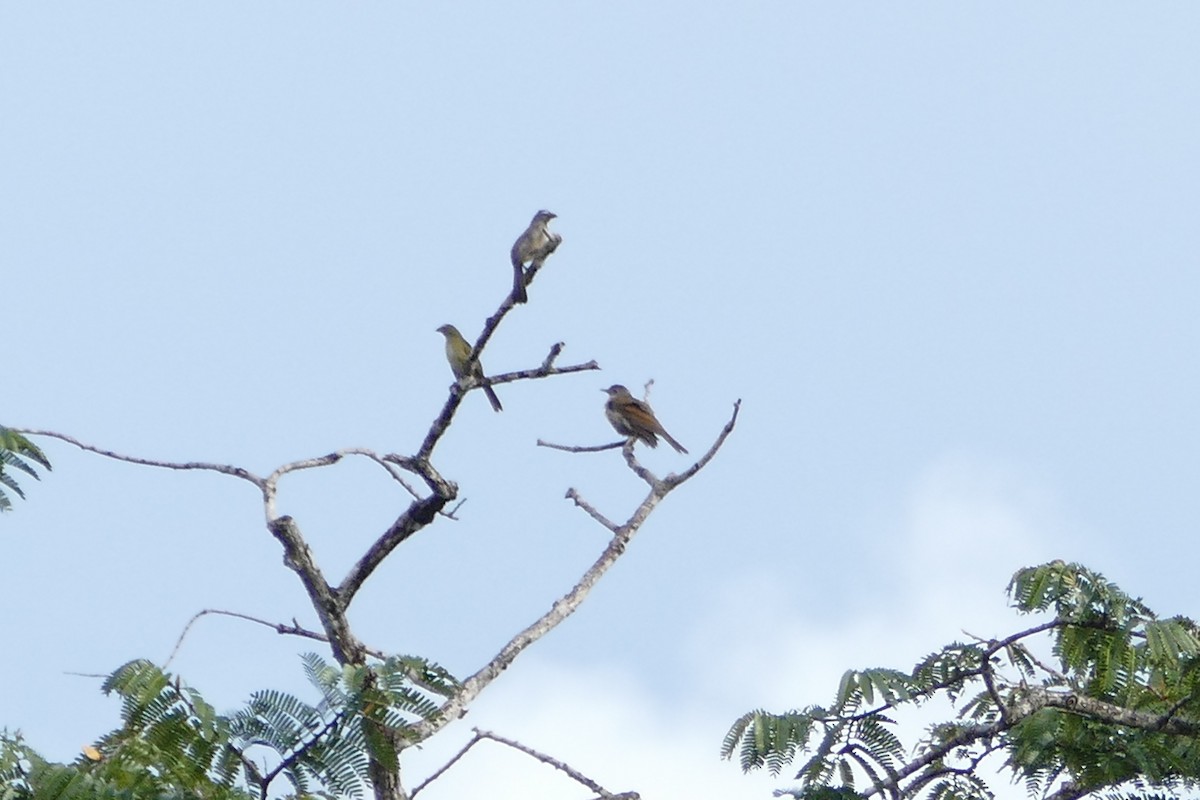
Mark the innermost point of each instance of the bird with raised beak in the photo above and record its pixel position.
(532, 247)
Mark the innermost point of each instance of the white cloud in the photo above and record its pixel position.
(971, 524)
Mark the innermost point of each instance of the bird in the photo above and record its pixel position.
(533, 245)
(458, 353)
(635, 419)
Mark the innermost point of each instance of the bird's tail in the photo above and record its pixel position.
(491, 396)
(518, 292)
(671, 441)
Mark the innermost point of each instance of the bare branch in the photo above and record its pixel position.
(574, 496)
(570, 448)
(545, 759)
(601, 792)
(389, 466)
(425, 470)
(631, 461)
(675, 480)
(415, 517)
(325, 601)
(224, 469)
(452, 512)
(284, 630)
(555, 350)
(559, 611)
(306, 463)
(541, 372)
(476, 739)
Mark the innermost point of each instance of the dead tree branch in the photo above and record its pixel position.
(284, 630)
(576, 775)
(565, 605)
(579, 448)
(224, 469)
(331, 603)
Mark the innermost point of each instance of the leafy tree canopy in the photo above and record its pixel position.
(1101, 699)
(173, 744)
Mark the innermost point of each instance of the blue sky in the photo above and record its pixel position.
(944, 253)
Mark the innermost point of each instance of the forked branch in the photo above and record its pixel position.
(576, 775)
(566, 605)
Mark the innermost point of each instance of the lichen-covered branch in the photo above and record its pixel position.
(347, 649)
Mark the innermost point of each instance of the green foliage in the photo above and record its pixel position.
(15, 453)
(17, 760)
(24, 775)
(363, 709)
(1114, 711)
(173, 744)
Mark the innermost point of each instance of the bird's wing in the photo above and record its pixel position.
(640, 415)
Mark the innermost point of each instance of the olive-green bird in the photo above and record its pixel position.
(458, 353)
(634, 418)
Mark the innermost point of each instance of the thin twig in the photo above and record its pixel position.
(545, 759)
(541, 372)
(442, 770)
(225, 469)
(675, 480)
(555, 350)
(571, 448)
(631, 461)
(284, 630)
(479, 736)
(575, 497)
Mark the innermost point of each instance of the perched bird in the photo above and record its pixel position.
(633, 418)
(458, 353)
(534, 244)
